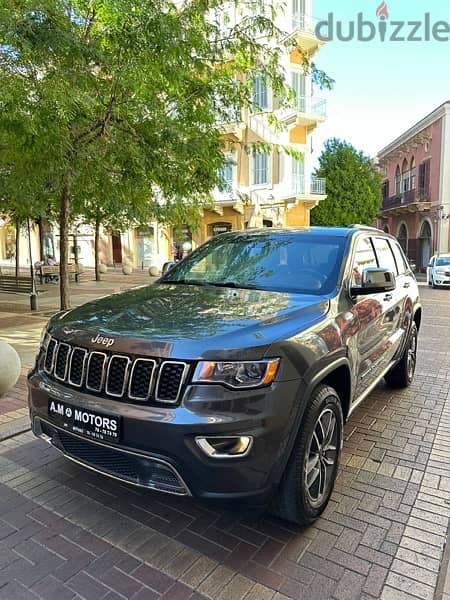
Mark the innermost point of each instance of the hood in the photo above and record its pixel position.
(189, 321)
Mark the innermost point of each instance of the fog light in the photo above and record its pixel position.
(225, 446)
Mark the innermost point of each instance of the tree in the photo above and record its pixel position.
(123, 98)
(353, 186)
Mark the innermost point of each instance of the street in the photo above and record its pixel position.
(70, 533)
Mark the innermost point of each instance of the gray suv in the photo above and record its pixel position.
(231, 377)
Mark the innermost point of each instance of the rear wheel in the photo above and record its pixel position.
(402, 374)
(310, 474)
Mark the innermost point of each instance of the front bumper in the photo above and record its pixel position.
(157, 447)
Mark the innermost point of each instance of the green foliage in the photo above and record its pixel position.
(353, 186)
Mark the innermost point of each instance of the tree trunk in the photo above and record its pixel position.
(41, 240)
(17, 246)
(64, 244)
(96, 247)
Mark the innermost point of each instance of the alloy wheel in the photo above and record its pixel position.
(321, 457)
(411, 355)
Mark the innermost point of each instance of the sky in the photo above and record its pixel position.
(382, 88)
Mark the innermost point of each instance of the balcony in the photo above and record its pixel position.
(303, 31)
(230, 123)
(409, 201)
(308, 111)
(316, 186)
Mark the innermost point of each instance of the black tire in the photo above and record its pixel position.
(308, 480)
(434, 286)
(402, 374)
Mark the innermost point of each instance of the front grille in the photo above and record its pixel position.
(115, 375)
(134, 468)
(169, 381)
(95, 371)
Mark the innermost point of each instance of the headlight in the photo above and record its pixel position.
(247, 374)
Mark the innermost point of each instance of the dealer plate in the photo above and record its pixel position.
(95, 425)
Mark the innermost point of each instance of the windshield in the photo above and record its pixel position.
(443, 261)
(299, 263)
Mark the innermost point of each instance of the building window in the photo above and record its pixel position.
(398, 181)
(260, 94)
(424, 179)
(298, 14)
(228, 175)
(405, 176)
(403, 238)
(385, 189)
(260, 171)
(298, 175)
(299, 87)
(413, 173)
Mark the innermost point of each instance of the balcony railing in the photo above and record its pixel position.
(405, 199)
(307, 105)
(314, 186)
(301, 22)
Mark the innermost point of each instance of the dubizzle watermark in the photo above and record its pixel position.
(385, 30)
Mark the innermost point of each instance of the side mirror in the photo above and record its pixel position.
(374, 281)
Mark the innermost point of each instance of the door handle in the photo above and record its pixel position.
(406, 285)
(387, 298)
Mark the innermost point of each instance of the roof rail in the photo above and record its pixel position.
(359, 226)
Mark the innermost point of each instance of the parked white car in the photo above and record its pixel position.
(438, 271)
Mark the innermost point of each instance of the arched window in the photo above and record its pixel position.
(403, 238)
(405, 176)
(413, 173)
(386, 229)
(398, 181)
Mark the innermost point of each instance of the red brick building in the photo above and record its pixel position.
(416, 187)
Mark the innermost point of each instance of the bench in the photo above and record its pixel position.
(44, 271)
(11, 283)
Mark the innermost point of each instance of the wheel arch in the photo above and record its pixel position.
(338, 376)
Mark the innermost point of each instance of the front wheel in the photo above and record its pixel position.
(402, 374)
(310, 474)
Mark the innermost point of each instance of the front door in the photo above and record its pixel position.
(116, 248)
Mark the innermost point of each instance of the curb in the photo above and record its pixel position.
(16, 427)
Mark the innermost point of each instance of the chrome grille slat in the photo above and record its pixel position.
(144, 382)
(175, 371)
(96, 371)
(62, 361)
(115, 375)
(50, 355)
(118, 380)
(76, 371)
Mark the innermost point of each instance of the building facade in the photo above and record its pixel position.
(416, 187)
(273, 188)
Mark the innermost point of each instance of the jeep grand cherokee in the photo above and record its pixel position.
(232, 376)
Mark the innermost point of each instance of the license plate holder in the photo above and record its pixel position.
(88, 423)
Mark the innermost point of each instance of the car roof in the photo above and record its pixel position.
(310, 231)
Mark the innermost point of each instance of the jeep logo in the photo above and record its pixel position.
(104, 341)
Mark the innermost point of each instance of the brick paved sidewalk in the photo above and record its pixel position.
(69, 533)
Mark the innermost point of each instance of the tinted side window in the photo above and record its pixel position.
(364, 257)
(402, 263)
(384, 254)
